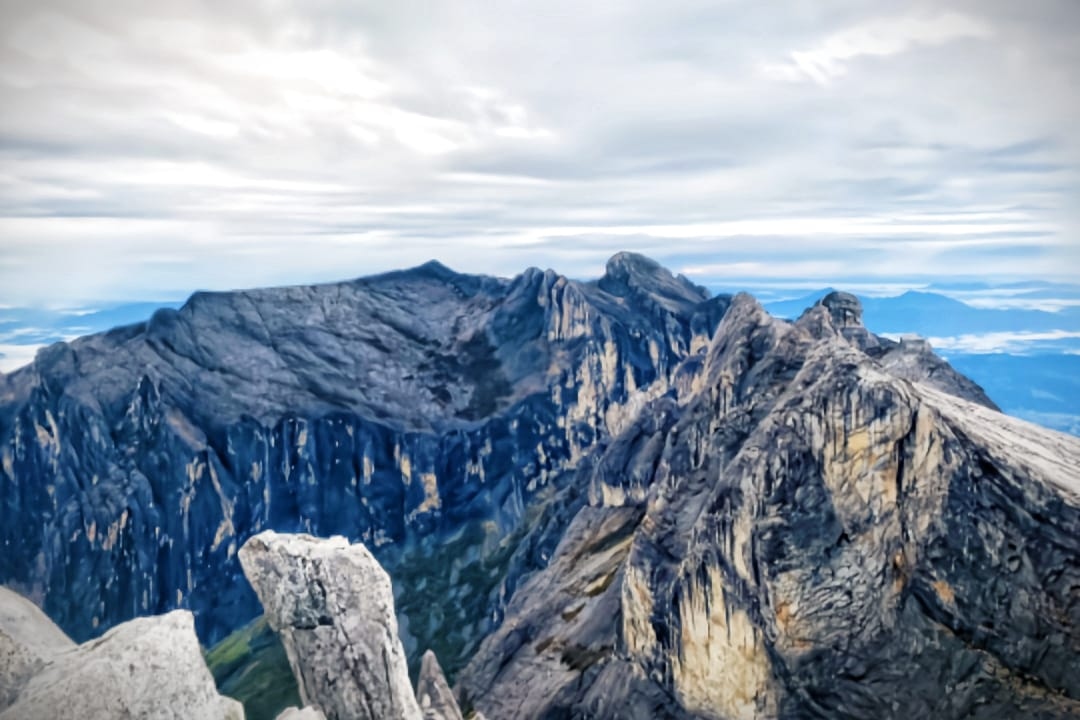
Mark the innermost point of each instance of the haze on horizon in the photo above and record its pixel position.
(147, 150)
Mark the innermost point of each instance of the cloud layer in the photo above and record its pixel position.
(148, 149)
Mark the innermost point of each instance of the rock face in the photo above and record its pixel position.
(801, 532)
(419, 412)
(433, 694)
(333, 606)
(145, 668)
(614, 499)
(844, 309)
(28, 640)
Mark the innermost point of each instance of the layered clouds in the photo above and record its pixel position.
(148, 149)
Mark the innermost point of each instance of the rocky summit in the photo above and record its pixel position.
(332, 605)
(612, 499)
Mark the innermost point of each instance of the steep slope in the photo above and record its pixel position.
(419, 411)
(799, 532)
(616, 483)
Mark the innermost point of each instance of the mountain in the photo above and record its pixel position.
(419, 411)
(802, 533)
(618, 498)
(23, 330)
(1027, 360)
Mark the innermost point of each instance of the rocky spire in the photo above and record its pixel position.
(433, 692)
(845, 309)
(332, 605)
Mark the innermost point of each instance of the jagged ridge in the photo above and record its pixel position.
(479, 421)
(800, 532)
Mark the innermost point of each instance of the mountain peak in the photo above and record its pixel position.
(622, 264)
(631, 273)
(845, 309)
(435, 267)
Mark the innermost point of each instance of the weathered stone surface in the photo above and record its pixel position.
(415, 411)
(333, 606)
(28, 640)
(433, 694)
(305, 713)
(146, 668)
(844, 308)
(488, 437)
(804, 533)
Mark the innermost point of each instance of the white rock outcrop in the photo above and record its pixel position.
(149, 668)
(305, 713)
(28, 640)
(332, 605)
(433, 692)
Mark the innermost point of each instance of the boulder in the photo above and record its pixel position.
(28, 640)
(149, 668)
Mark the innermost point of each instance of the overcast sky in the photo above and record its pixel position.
(148, 149)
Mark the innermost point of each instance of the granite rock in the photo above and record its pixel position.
(433, 693)
(28, 640)
(145, 668)
(804, 533)
(412, 411)
(333, 606)
(305, 713)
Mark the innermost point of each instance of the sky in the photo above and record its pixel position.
(151, 149)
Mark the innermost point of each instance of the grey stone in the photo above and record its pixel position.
(305, 713)
(813, 535)
(568, 481)
(28, 640)
(433, 694)
(333, 606)
(145, 668)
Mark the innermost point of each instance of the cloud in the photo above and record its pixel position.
(1003, 342)
(879, 37)
(13, 357)
(149, 149)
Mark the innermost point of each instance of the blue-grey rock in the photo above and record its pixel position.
(407, 411)
(671, 505)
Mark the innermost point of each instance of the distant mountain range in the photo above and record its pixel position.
(935, 315)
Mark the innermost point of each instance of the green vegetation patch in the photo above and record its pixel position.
(250, 665)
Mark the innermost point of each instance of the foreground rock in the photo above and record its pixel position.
(306, 713)
(433, 692)
(148, 668)
(332, 605)
(28, 640)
